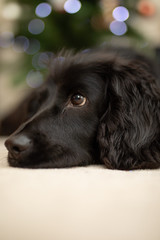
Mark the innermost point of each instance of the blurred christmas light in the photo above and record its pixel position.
(118, 28)
(120, 13)
(34, 46)
(72, 6)
(43, 10)
(41, 60)
(11, 11)
(34, 79)
(146, 8)
(35, 59)
(6, 39)
(21, 43)
(60, 59)
(86, 50)
(36, 26)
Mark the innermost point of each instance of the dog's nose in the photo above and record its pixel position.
(18, 144)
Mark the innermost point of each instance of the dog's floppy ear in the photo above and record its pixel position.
(128, 132)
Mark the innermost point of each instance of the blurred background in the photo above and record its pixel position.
(32, 31)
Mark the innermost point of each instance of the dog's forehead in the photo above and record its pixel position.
(72, 73)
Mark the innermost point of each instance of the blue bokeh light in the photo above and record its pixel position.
(34, 46)
(36, 26)
(120, 13)
(41, 60)
(35, 60)
(43, 10)
(118, 28)
(34, 79)
(21, 44)
(72, 6)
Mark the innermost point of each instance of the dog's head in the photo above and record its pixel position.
(63, 118)
(85, 113)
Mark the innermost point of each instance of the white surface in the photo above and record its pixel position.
(84, 203)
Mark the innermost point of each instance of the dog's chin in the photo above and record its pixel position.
(36, 164)
(42, 165)
(21, 164)
(56, 159)
(13, 162)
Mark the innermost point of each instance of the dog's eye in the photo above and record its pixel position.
(78, 100)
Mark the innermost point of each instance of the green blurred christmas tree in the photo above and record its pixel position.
(46, 26)
(78, 26)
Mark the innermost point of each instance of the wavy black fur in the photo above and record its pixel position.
(118, 126)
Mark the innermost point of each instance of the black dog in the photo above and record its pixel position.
(95, 107)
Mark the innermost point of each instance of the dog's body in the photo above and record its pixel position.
(96, 107)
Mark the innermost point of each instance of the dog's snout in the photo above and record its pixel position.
(18, 144)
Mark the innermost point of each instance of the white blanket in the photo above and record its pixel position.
(83, 203)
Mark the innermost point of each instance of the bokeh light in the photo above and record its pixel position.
(21, 43)
(6, 39)
(86, 50)
(118, 28)
(35, 61)
(36, 26)
(120, 13)
(72, 6)
(60, 59)
(43, 10)
(41, 60)
(11, 11)
(34, 46)
(34, 79)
